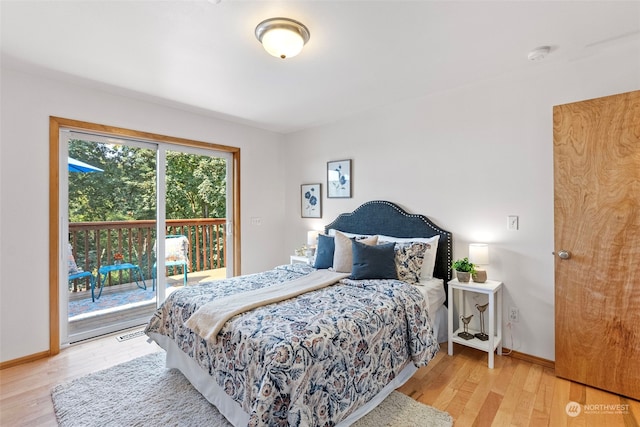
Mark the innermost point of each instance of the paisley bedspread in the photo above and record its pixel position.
(310, 360)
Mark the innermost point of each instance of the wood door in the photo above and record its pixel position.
(597, 220)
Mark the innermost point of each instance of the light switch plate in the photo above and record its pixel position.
(512, 222)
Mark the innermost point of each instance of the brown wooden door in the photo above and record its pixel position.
(597, 220)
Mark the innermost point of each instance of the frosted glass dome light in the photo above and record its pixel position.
(282, 37)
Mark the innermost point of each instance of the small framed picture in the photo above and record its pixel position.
(339, 179)
(311, 197)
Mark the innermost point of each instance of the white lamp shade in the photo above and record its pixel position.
(282, 42)
(312, 238)
(479, 253)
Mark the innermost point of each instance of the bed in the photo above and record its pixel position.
(327, 356)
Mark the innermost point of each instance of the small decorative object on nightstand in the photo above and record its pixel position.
(482, 335)
(493, 290)
(464, 269)
(465, 334)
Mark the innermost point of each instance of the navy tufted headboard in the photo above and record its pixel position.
(382, 217)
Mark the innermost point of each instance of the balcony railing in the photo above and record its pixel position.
(95, 244)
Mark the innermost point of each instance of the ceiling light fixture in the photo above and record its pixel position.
(282, 37)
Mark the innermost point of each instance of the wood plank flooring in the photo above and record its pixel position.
(515, 393)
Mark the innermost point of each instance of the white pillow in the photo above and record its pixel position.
(343, 254)
(429, 262)
(333, 231)
(176, 249)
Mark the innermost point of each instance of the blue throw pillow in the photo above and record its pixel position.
(373, 261)
(324, 252)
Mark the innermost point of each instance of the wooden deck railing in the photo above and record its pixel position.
(95, 244)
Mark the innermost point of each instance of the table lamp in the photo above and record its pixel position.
(312, 241)
(479, 256)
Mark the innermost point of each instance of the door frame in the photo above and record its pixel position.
(55, 124)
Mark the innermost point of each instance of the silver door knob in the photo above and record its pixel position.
(564, 254)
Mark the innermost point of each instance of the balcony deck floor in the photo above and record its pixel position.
(123, 301)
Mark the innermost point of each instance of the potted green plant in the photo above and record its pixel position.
(464, 269)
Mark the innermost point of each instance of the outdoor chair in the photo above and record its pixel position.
(74, 272)
(176, 254)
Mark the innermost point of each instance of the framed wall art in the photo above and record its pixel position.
(339, 179)
(311, 197)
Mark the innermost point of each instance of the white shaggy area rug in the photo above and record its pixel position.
(142, 392)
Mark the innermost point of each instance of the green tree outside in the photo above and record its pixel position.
(195, 184)
(126, 190)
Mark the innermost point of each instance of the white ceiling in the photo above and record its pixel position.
(203, 56)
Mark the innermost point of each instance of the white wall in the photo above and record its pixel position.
(467, 158)
(27, 102)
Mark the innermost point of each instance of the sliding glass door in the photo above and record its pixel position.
(139, 219)
(197, 209)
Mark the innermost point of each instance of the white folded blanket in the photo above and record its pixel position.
(209, 319)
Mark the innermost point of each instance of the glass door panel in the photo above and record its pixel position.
(111, 228)
(195, 218)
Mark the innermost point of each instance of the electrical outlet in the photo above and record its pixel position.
(514, 314)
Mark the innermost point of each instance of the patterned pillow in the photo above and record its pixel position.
(409, 260)
(430, 255)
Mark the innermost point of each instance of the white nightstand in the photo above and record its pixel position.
(298, 258)
(493, 317)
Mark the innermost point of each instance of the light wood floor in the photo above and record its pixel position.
(514, 393)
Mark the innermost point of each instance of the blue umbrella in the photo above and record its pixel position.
(78, 166)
